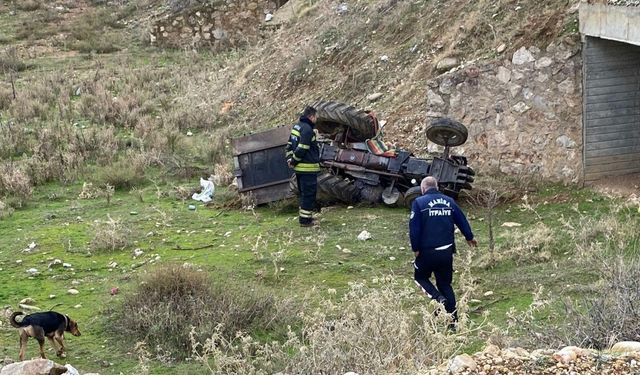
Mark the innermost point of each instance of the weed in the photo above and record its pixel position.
(174, 300)
(122, 174)
(369, 331)
(28, 5)
(15, 183)
(110, 235)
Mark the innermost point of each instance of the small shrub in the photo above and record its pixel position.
(607, 315)
(28, 5)
(15, 183)
(122, 174)
(5, 210)
(111, 235)
(387, 329)
(172, 299)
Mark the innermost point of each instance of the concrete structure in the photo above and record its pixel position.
(611, 81)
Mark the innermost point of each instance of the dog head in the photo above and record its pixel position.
(72, 327)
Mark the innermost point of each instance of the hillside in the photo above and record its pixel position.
(104, 134)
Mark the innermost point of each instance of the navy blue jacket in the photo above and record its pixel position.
(432, 218)
(302, 148)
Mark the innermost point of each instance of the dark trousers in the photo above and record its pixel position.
(440, 264)
(307, 187)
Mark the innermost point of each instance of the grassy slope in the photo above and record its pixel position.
(311, 259)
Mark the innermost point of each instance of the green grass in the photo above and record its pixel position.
(310, 259)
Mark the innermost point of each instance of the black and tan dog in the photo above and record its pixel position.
(50, 324)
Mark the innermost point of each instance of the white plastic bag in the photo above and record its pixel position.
(207, 191)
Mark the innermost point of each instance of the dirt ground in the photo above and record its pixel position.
(626, 186)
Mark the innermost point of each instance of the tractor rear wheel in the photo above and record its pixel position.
(334, 116)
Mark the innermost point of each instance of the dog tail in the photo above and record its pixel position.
(13, 321)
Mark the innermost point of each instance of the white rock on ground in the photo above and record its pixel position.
(364, 235)
(626, 347)
(446, 64)
(461, 363)
(34, 367)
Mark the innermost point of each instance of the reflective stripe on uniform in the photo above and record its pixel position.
(305, 147)
(306, 167)
(305, 213)
(295, 132)
(295, 157)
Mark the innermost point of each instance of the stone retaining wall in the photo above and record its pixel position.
(524, 113)
(219, 26)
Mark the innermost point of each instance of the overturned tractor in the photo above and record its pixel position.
(357, 165)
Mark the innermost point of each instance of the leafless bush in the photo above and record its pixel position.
(612, 314)
(172, 300)
(5, 210)
(15, 183)
(110, 235)
(609, 314)
(388, 328)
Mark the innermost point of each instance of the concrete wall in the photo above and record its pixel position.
(611, 22)
(611, 108)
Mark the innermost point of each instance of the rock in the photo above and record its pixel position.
(219, 34)
(509, 224)
(492, 350)
(28, 307)
(521, 107)
(567, 86)
(112, 264)
(71, 370)
(55, 264)
(445, 86)
(28, 301)
(446, 64)
(501, 48)
(66, 265)
(384, 58)
(52, 296)
(73, 291)
(114, 291)
(522, 56)
(462, 362)
(375, 96)
(488, 293)
(364, 235)
(137, 252)
(32, 271)
(626, 347)
(34, 367)
(569, 354)
(514, 90)
(504, 74)
(544, 62)
(350, 373)
(434, 100)
(565, 142)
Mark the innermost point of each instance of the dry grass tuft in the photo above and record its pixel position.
(386, 328)
(173, 300)
(111, 235)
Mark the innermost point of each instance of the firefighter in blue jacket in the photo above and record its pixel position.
(303, 155)
(431, 229)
